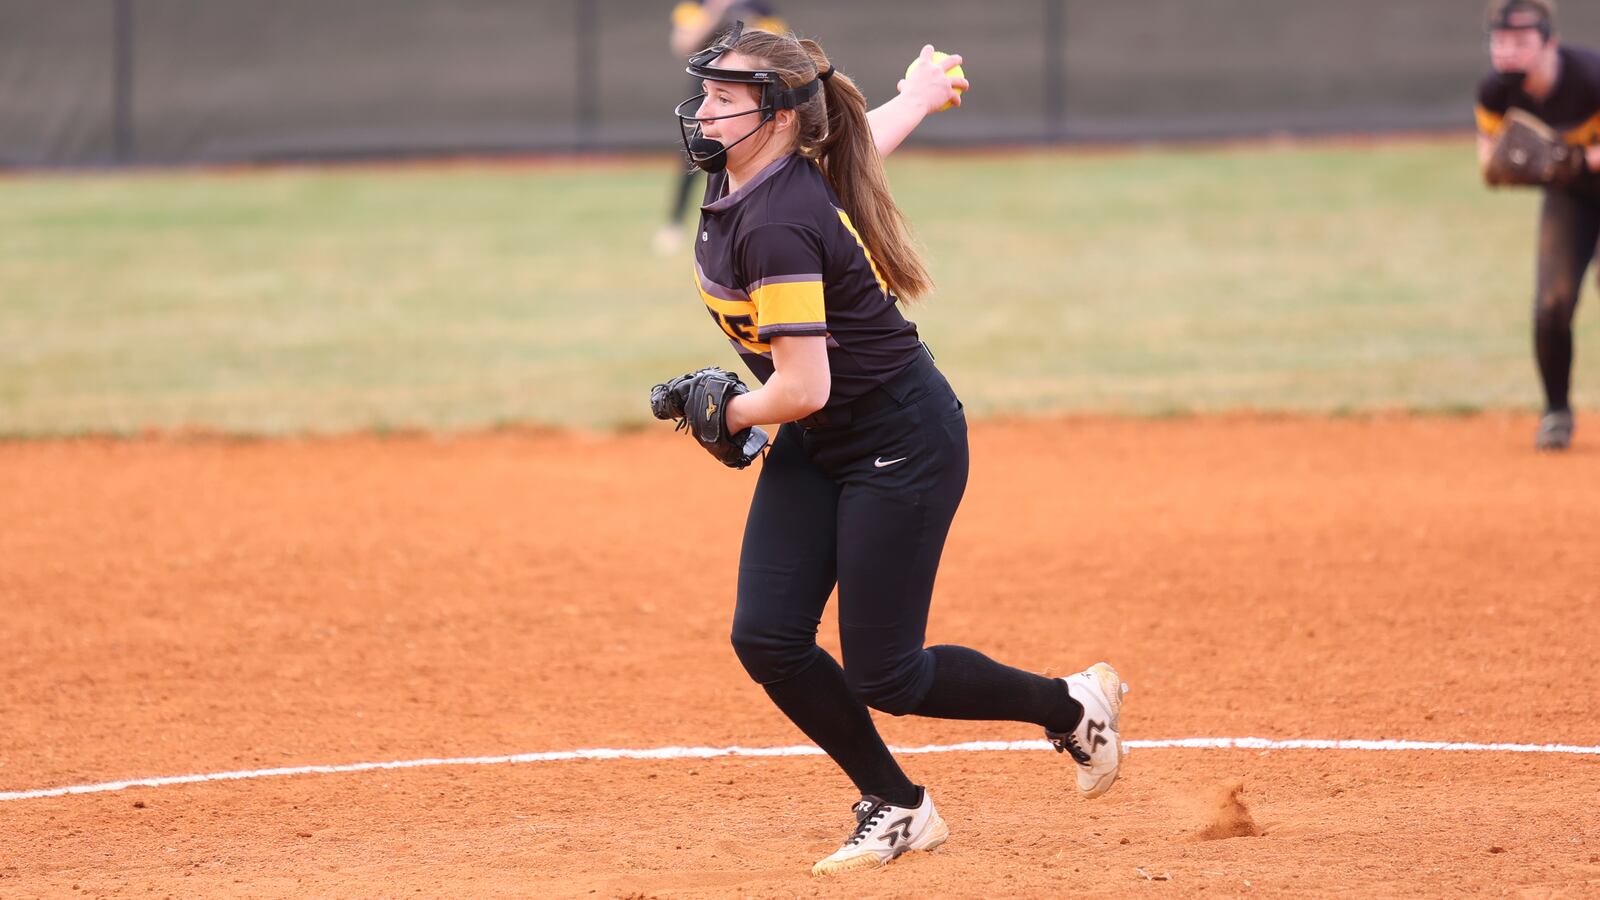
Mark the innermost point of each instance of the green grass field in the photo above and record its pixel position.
(1321, 277)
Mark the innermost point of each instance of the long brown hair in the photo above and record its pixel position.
(833, 131)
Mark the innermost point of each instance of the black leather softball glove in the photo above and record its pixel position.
(699, 401)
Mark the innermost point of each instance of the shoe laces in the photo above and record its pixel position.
(1068, 743)
(866, 824)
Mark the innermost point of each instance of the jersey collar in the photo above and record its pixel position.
(726, 203)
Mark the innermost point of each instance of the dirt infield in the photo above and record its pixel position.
(193, 606)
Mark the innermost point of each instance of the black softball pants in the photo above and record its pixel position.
(1569, 227)
(867, 505)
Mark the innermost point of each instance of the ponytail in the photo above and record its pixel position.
(833, 131)
(850, 161)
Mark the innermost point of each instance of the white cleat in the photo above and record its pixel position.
(883, 832)
(1096, 744)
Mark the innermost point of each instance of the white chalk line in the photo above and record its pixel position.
(1199, 743)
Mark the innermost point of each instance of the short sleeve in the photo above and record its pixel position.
(1493, 101)
(782, 270)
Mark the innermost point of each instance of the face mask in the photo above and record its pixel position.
(712, 156)
(704, 153)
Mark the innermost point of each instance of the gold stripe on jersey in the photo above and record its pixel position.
(1489, 122)
(723, 307)
(850, 227)
(1585, 133)
(736, 317)
(789, 303)
(1582, 135)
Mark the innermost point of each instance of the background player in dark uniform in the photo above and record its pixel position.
(801, 255)
(1560, 85)
(693, 24)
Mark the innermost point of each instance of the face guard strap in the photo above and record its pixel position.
(712, 155)
(1502, 20)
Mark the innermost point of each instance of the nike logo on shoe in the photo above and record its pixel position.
(880, 462)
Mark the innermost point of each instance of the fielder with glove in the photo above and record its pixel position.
(1539, 125)
(1529, 152)
(800, 257)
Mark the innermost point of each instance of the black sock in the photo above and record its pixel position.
(820, 703)
(1552, 344)
(969, 685)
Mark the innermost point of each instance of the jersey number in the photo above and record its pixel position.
(740, 328)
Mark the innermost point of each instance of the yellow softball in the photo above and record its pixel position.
(955, 72)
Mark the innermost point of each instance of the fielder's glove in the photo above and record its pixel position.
(1529, 152)
(699, 401)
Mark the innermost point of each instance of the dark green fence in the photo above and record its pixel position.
(95, 82)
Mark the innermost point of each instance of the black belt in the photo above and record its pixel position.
(887, 395)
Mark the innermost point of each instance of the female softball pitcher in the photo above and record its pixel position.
(800, 257)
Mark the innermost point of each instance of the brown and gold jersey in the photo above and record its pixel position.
(780, 257)
(1572, 109)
